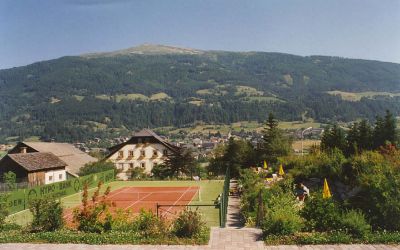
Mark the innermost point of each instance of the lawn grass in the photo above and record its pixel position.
(209, 190)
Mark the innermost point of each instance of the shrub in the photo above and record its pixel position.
(10, 179)
(188, 224)
(93, 216)
(327, 164)
(9, 227)
(160, 172)
(113, 237)
(321, 214)
(251, 184)
(313, 238)
(123, 221)
(138, 173)
(3, 209)
(354, 222)
(96, 167)
(282, 222)
(282, 215)
(149, 225)
(380, 196)
(47, 215)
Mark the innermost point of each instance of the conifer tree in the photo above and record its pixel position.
(390, 128)
(180, 162)
(352, 140)
(385, 130)
(333, 137)
(275, 144)
(364, 135)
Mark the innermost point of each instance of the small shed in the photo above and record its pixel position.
(35, 168)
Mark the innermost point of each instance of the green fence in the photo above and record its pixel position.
(18, 200)
(224, 199)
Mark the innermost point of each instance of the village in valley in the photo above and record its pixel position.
(202, 145)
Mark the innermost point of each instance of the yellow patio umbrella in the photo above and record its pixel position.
(326, 192)
(281, 172)
(265, 165)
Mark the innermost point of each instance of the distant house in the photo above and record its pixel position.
(145, 150)
(35, 168)
(73, 157)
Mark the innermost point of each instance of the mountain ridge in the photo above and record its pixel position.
(77, 97)
(146, 48)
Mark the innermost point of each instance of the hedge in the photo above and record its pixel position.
(18, 200)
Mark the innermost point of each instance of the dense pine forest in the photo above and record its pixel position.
(80, 97)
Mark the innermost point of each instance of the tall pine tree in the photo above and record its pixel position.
(275, 144)
(385, 130)
(333, 137)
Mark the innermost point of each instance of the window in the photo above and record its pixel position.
(130, 165)
(143, 165)
(121, 154)
(147, 140)
(131, 153)
(165, 152)
(143, 153)
(139, 140)
(50, 177)
(60, 176)
(155, 153)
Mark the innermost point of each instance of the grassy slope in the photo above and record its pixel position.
(209, 190)
(356, 96)
(237, 126)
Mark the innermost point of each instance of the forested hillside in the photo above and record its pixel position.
(79, 97)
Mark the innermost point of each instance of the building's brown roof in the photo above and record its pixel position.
(73, 157)
(37, 161)
(142, 133)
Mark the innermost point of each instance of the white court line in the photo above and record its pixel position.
(177, 200)
(122, 189)
(158, 192)
(138, 201)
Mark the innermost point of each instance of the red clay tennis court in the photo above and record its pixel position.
(137, 198)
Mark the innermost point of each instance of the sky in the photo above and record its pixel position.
(36, 30)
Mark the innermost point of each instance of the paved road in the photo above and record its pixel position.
(234, 237)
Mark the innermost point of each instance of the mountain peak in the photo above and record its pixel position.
(149, 49)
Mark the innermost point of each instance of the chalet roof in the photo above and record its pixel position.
(142, 133)
(37, 161)
(73, 157)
